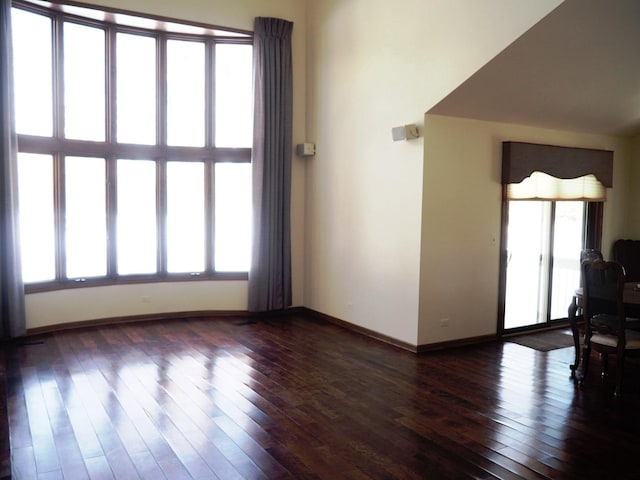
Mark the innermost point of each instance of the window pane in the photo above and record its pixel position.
(136, 221)
(84, 77)
(136, 89)
(185, 93)
(185, 217)
(32, 73)
(527, 249)
(234, 95)
(233, 217)
(85, 223)
(568, 235)
(35, 184)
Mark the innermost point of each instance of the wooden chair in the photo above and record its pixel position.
(588, 255)
(606, 325)
(627, 253)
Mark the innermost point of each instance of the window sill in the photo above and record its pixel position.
(129, 280)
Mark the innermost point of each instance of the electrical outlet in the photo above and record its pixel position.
(444, 322)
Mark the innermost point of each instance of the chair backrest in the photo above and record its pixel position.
(603, 288)
(590, 254)
(627, 252)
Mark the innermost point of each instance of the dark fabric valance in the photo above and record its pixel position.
(520, 160)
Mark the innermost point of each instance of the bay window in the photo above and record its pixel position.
(134, 147)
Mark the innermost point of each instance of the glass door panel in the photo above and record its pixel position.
(568, 241)
(544, 240)
(527, 250)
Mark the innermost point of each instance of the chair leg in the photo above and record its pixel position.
(586, 353)
(619, 373)
(605, 365)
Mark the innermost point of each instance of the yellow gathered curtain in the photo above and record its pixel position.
(541, 186)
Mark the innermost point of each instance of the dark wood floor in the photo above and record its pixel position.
(299, 398)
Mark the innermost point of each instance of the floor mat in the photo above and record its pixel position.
(544, 341)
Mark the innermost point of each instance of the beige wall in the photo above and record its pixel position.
(461, 218)
(633, 204)
(75, 305)
(374, 65)
(224, 13)
(52, 308)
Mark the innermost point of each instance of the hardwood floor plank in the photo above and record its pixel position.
(23, 464)
(99, 469)
(147, 466)
(42, 437)
(293, 397)
(53, 475)
(86, 408)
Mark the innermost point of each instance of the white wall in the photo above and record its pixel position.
(374, 65)
(52, 308)
(461, 218)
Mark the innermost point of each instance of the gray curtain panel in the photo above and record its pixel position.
(270, 273)
(12, 318)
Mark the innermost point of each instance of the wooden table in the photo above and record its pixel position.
(630, 296)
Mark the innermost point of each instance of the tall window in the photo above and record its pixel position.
(134, 147)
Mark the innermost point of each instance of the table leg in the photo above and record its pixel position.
(573, 322)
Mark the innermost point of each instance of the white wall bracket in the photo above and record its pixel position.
(306, 149)
(405, 132)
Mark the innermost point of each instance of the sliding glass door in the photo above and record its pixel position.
(544, 240)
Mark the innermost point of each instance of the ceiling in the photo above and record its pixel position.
(578, 69)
